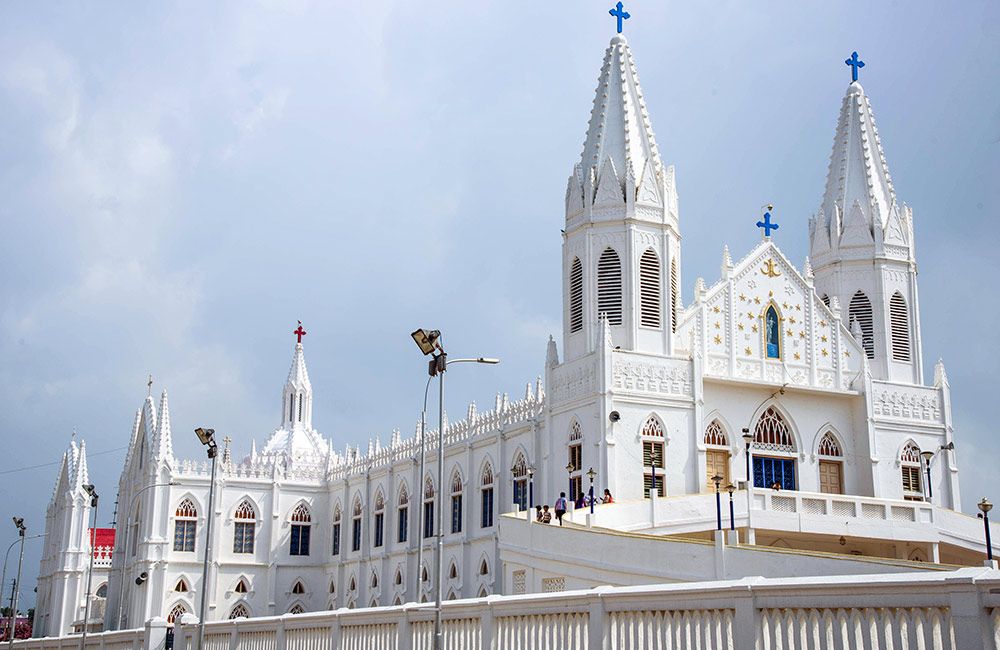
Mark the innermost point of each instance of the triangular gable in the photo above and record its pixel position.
(648, 192)
(609, 188)
(856, 230)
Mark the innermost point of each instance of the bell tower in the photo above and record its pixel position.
(861, 245)
(621, 243)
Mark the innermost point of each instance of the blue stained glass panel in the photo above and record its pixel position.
(768, 471)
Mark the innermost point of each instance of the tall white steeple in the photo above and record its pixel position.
(295, 438)
(622, 237)
(861, 244)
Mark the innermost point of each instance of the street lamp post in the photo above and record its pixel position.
(429, 342)
(985, 506)
(591, 474)
(927, 456)
(654, 459)
(421, 533)
(19, 522)
(531, 488)
(206, 436)
(90, 574)
(128, 529)
(569, 469)
(747, 440)
(3, 575)
(718, 500)
(732, 519)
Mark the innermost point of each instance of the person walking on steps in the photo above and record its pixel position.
(561, 507)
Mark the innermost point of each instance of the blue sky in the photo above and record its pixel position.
(181, 182)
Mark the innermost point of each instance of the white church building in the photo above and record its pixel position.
(818, 363)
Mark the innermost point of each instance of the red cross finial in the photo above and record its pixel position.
(299, 332)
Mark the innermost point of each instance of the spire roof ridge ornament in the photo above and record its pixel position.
(858, 172)
(619, 126)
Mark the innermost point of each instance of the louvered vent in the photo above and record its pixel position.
(673, 295)
(861, 312)
(576, 296)
(826, 300)
(900, 328)
(609, 286)
(649, 289)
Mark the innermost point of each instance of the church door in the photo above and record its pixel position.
(716, 464)
(830, 480)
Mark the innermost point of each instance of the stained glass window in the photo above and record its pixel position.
(772, 328)
(768, 472)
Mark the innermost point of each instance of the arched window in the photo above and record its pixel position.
(176, 612)
(297, 588)
(402, 515)
(773, 435)
(374, 579)
(674, 295)
(239, 611)
(910, 465)
(772, 329)
(336, 529)
(520, 474)
(456, 502)
(333, 587)
(484, 568)
(102, 591)
(428, 508)
(399, 577)
(900, 325)
(301, 527)
(297, 609)
(609, 286)
(486, 496)
(716, 459)
(575, 460)
(379, 518)
(714, 435)
(649, 289)
(860, 312)
(184, 526)
(653, 461)
(181, 586)
(356, 525)
(828, 446)
(243, 528)
(831, 476)
(576, 296)
(241, 587)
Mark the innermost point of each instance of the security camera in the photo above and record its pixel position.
(615, 416)
(143, 577)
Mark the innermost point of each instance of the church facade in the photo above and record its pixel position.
(808, 378)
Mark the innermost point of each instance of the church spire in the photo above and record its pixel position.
(297, 394)
(162, 445)
(619, 131)
(858, 178)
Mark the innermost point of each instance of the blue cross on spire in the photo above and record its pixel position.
(855, 63)
(620, 15)
(767, 225)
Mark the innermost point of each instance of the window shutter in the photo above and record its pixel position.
(609, 286)
(576, 296)
(673, 295)
(861, 311)
(649, 289)
(900, 326)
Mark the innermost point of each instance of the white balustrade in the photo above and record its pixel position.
(958, 610)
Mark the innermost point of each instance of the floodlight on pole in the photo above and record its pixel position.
(927, 456)
(90, 574)
(206, 436)
(985, 507)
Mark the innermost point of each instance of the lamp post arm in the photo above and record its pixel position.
(128, 529)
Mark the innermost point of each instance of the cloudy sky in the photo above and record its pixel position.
(181, 182)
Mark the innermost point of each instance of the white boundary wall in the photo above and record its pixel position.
(954, 611)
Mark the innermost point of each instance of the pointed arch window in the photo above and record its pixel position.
(176, 612)
(674, 295)
(653, 457)
(772, 436)
(909, 461)
(336, 530)
(456, 502)
(609, 286)
(717, 459)
(243, 527)
(297, 609)
(520, 474)
(379, 519)
(185, 523)
(649, 289)
(399, 577)
(356, 525)
(297, 588)
(241, 587)
(860, 312)
(772, 332)
(239, 611)
(828, 446)
(900, 325)
(291, 407)
(715, 435)
(575, 460)
(402, 516)
(486, 497)
(300, 533)
(576, 295)
(181, 586)
(428, 508)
